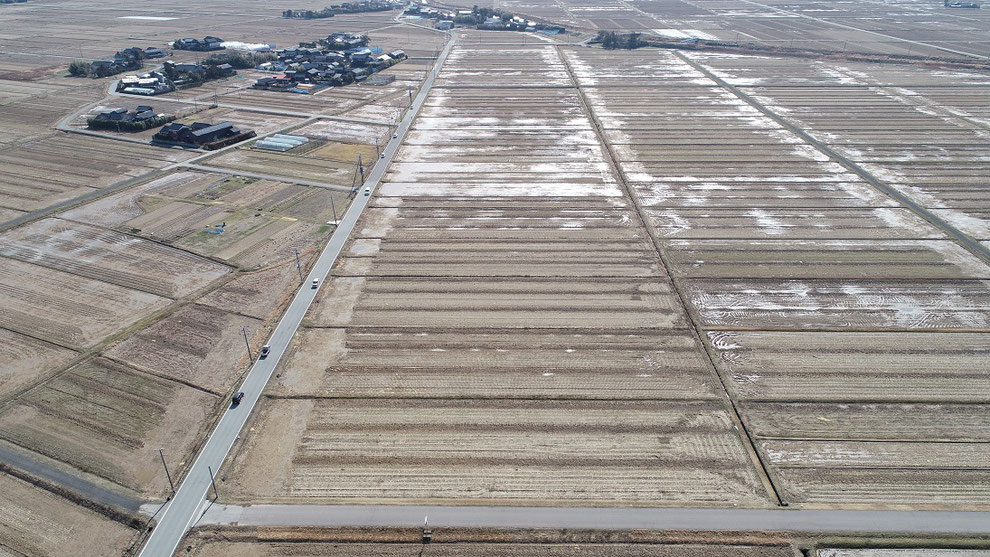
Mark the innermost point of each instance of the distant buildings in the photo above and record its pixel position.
(208, 43)
(200, 134)
(143, 112)
(302, 69)
(345, 8)
(124, 60)
(120, 119)
(151, 83)
(189, 75)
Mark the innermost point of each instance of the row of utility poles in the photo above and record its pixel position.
(216, 494)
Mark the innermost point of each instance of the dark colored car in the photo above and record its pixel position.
(237, 398)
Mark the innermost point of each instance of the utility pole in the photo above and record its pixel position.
(161, 453)
(216, 494)
(409, 90)
(299, 267)
(361, 168)
(334, 207)
(248, 344)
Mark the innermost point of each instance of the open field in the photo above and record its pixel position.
(36, 522)
(503, 241)
(909, 28)
(839, 317)
(618, 278)
(52, 169)
(487, 549)
(266, 221)
(108, 420)
(461, 304)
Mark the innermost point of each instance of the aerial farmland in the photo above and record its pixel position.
(724, 293)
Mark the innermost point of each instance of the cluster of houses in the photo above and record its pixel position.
(147, 84)
(366, 6)
(208, 43)
(345, 8)
(440, 17)
(124, 60)
(481, 18)
(303, 69)
(121, 119)
(139, 114)
(194, 74)
(201, 134)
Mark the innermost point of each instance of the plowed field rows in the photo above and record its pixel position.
(878, 400)
(500, 328)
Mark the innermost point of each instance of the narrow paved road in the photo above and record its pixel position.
(186, 507)
(847, 521)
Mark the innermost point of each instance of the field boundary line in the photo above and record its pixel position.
(745, 436)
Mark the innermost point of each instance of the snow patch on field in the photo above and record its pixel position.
(684, 34)
(766, 223)
(147, 17)
(895, 218)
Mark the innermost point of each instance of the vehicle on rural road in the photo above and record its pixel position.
(316, 283)
(264, 351)
(367, 191)
(237, 399)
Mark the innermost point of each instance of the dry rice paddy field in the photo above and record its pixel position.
(513, 287)
(910, 27)
(635, 284)
(272, 543)
(850, 331)
(588, 278)
(123, 325)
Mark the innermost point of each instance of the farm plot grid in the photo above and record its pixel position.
(851, 331)
(113, 349)
(42, 172)
(500, 328)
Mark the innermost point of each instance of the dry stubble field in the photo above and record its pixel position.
(852, 332)
(518, 286)
(500, 329)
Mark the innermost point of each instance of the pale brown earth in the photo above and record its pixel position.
(109, 420)
(78, 311)
(524, 285)
(850, 332)
(556, 289)
(197, 344)
(43, 172)
(36, 522)
(494, 550)
(112, 257)
(519, 339)
(113, 348)
(251, 293)
(26, 359)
